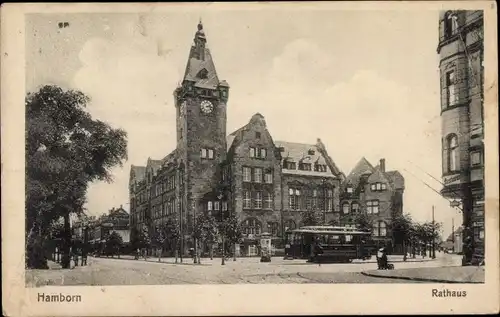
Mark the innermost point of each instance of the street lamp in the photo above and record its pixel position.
(219, 196)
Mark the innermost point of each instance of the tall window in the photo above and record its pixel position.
(345, 208)
(257, 204)
(294, 195)
(268, 200)
(451, 91)
(263, 153)
(252, 226)
(257, 175)
(449, 25)
(246, 200)
(475, 158)
(372, 206)
(379, 229)
(209, 206)
(204, 153)
(268, 177)
(329, 201)
(452, 153)
(315, 198)
(354, 208)
(252, 152)
(247, 174)
(210, 153)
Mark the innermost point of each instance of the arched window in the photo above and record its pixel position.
(345, 208)
(290, 224)
(449, 24)
(452, 145)
(273, 228)
(252, 226)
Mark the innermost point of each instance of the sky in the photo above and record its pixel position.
(365, 82)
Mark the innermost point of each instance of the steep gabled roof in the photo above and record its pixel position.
(363, 167)
(396, 179)
(155, 165)
(137, 172)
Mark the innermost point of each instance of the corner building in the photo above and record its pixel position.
(461, 48)
(267, 184)
(378, 194)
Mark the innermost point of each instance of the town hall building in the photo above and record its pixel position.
(267, 184)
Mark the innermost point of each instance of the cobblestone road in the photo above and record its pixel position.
(108, 271)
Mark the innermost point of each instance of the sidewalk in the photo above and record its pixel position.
(450, 274)
(166, 260)
(395, 259)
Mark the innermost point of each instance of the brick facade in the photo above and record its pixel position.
(460, 49)
(378, 194)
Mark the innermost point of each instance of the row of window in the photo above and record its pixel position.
(310, 199)
(165, 187)
(255, 175)
(167, 208)
(207, 154)
(258, 153)
(257, 200)
(253, 226)
(376, 187)
(346, 208)
(216, 206)
(372, 207)
(304, 166)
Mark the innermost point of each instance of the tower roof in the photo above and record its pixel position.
(200, 68)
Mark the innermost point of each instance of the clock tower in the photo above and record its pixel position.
(201, 103)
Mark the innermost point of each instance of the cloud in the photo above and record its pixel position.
(130, 87)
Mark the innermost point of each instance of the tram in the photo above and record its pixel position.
(338, 244)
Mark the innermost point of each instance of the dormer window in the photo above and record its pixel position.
(305, 166)
(349, 189)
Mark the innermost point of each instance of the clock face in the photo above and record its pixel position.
(206, 106)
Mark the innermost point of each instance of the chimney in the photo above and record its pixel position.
(382, 165)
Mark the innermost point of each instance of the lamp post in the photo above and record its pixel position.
(223, 227)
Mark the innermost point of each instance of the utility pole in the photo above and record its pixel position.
(453, 234)
(433, 235)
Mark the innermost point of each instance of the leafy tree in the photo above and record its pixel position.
(65, 151)
(362, 221)
(401, 229)
(158, 240)
(114, 243)
(206, 231)
(173, 234)
(232, 231)
(311, 218)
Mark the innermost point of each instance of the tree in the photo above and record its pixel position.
(173, 234)
(401, 228)
(158, 240)
(311, 218)
(114, 244)
(65, 151)
(363, 221)
(231, 229)
(206, 231)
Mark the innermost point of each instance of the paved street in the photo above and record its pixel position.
(108, 271)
